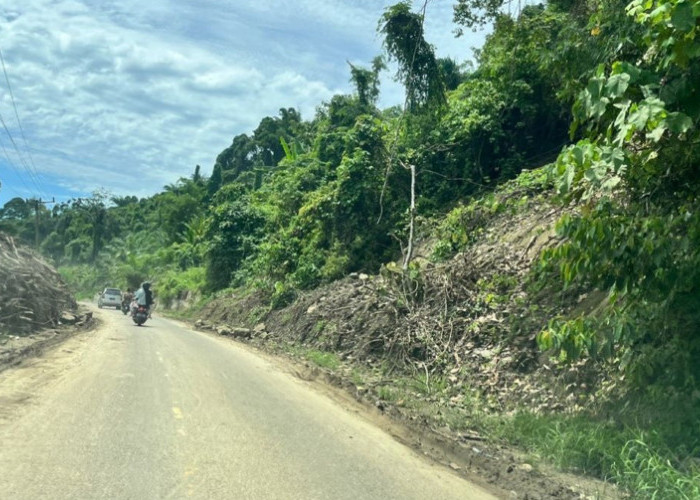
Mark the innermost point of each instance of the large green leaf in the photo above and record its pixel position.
(617, 85)
(678, 123)
(682, 17)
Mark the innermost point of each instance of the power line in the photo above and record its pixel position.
(19, 155)
(37, 204)
(22, 160)
(19, 123)
(11, 163)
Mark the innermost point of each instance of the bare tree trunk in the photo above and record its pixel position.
(412, 217)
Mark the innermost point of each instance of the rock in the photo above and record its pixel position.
(203, 325)
(354, 275)
(68, 318)
(525, 467)
(240, 332)
(363, 277)
(311, 309)
(487, 354)
(223, 330)
(259, 328)
(454, 466)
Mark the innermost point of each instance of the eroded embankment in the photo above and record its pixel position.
(448, 344)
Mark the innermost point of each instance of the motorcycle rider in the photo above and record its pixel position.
(127, 297)
(143, 296)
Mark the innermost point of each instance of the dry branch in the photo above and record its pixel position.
(32, 293)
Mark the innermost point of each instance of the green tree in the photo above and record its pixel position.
(418, 68)
(366, 82)
(94, 211)
(235, 231)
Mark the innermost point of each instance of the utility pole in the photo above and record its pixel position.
(37, 203)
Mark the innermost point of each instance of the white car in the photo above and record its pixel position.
(110, 297)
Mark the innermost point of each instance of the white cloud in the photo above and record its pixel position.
(130, 95)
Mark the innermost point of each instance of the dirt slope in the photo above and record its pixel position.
(458, 329)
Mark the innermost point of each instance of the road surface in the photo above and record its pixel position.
(164, 412)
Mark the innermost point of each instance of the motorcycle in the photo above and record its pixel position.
(125, 307)
(140, 315)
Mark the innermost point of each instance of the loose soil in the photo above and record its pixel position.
(15, 349)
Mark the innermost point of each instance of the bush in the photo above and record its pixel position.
(174, 283)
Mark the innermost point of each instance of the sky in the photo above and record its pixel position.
(128, 96)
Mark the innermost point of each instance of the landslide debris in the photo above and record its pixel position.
(468, 321)
(456, 330)
(32, 294)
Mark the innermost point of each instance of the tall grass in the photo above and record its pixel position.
(636, 460)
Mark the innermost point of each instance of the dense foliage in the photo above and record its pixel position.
(297, 203)
(636, 174)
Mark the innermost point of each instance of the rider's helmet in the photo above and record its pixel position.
(146, 285)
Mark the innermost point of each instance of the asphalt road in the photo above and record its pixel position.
(164, 412)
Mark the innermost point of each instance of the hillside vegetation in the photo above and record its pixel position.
(565, 299)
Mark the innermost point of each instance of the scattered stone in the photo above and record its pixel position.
(525, 467)
(312, 309)
(455, 400)
(68, 318)
(223, 330)
(487, 354)
(363, 277)
(454, 466)
(240, 332)
(259, 328)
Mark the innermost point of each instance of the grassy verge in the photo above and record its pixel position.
(650, 464)
(636, 459)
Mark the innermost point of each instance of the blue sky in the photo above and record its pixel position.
(128, 96)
